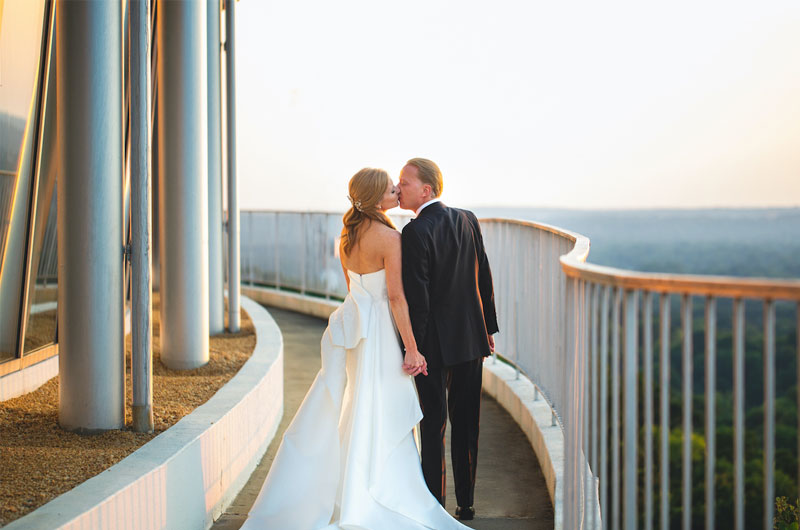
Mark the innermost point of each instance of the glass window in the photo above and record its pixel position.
(21, 23)
(40, 327)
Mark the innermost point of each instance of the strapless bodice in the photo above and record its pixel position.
(371, 283)
(350, 322)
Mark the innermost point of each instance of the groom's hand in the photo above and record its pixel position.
(491, 343)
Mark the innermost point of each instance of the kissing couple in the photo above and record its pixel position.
(349, 459)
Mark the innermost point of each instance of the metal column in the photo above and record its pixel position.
(141, 222)
(90, 256)
(183, 182)
(234, 282)
(216, 303)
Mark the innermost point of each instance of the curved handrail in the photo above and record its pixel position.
(575, 266)
(724, 286)
(708, 285)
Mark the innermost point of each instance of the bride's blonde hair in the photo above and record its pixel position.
(366, 191)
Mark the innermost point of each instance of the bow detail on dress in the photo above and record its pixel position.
(349, 323)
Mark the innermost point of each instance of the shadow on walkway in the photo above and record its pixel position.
(510, 491)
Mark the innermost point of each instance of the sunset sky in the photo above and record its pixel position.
(576, 104)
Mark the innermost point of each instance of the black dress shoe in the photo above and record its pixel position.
(465, 514)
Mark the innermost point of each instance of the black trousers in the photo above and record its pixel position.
(457, 390)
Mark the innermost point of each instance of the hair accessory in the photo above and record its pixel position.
(356, 204)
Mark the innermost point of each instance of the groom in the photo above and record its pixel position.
(448, 285)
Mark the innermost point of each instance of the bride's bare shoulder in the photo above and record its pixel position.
(387, 234)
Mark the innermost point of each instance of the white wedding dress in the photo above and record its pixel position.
(349, 460)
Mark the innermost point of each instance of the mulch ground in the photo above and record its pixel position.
(39, 460)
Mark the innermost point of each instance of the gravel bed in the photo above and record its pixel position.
(39, 461)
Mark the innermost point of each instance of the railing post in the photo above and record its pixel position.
(769, 413)
(303, 256)
(277, 245)
(664, 368)
(517, 333)
(251, 250)
(631, 424)
(584, 403)
(604, 308)
(738, 413)
(688, 374)
(647, 308)
(711, 370)
(571, 436)
(615, 420)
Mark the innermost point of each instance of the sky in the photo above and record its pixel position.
(598, 105)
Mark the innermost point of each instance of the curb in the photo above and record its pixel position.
(186, 476)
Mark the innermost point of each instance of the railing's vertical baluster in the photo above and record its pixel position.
(604, 308)
(711, 371)
(686, 324)
(664, 344)
(508, 315)
(647, 308)
(277, 250)
(518, 329)
(594, 384)
(631, 408)
(769, 412)
(515, 307)
(303, 251)
(587, 290)
(615, 423)
(557, 293)
(571, 452)
(250, 250)
(738, 413)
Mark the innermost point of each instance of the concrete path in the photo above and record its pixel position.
(510, 492)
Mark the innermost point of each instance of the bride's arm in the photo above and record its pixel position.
(392, 262)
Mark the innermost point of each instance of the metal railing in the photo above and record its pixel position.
(608, 364)
(295, 251)
(606, 303)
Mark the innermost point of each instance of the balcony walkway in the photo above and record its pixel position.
(505, 498)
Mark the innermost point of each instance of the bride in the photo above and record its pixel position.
(348, 460)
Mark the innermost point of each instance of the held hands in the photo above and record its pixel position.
(414, 363)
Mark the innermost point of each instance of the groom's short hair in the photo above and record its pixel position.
(429, 173)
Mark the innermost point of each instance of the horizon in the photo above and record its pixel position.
(560, 209)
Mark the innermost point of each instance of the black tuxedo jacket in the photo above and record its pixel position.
(448, 285)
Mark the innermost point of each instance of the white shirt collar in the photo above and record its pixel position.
(437, 199)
